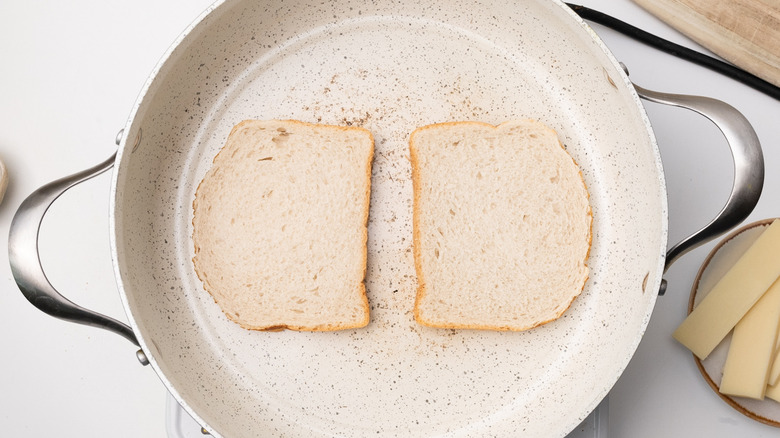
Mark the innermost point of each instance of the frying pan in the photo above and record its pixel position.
(390, 67)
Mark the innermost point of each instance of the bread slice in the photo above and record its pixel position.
(279, 226)
(502, 225)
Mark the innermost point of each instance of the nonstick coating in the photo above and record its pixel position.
(389, 67)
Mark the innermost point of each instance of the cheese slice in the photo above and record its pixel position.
(746, 371)
(773, 392)
(774, 372)
(735, 293)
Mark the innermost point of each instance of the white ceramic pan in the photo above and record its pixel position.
(390, 67)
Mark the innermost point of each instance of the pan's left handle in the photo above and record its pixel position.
(26, 264)
(748, 166)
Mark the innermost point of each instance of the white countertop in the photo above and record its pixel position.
(69, 75)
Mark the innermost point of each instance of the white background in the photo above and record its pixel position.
(69, 75)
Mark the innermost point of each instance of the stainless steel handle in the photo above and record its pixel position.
(748, 166)
(26, 264)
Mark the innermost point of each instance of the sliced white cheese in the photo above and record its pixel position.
(774, 372)
(773, 392)
(735, 293)
(746, 371)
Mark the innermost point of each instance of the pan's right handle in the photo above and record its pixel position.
(26, 264)
(748, 166)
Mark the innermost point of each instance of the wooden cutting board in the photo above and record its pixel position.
(743, 32)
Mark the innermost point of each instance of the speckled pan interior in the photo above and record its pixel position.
(390, 67)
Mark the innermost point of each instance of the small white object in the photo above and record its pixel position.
(3, 180)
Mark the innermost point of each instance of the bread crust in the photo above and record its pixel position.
(271, 327)
(416, 188)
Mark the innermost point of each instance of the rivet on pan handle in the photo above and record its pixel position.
(748, 166)
(26, 265)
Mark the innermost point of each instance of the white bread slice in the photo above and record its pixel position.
(279, 226)
(502, 225)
